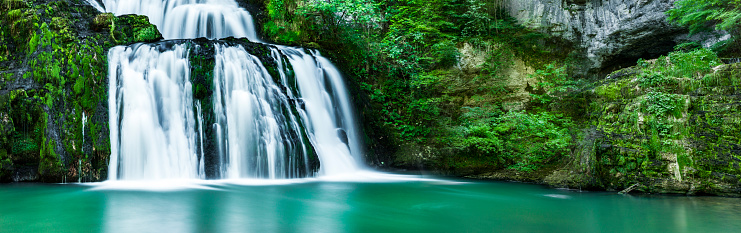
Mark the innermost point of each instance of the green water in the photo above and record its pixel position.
(322, 206)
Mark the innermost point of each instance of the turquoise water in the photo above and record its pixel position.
(326, 206)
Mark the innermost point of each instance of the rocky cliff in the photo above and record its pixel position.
(608, 33)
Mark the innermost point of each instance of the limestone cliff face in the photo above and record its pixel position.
(608, 33)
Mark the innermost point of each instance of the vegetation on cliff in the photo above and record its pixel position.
(668, 124)
(711, 15)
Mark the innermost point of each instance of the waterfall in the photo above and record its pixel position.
(327, 111)
(262, 137)
(278, 116)
(150, 110)
(96, 5)
(84, 121)
(190, 19)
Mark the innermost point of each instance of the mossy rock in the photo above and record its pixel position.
(13, 4)
(5, 165)
(130, 29)
(102, 22)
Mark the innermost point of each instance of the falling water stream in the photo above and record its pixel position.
(189, 19)
(153, 126)
(262, 129)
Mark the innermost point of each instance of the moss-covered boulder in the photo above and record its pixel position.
(128, 29)
(53, 70)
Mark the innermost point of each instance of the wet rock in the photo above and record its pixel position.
(342, 135)
(22, 174)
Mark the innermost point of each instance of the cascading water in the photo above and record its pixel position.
(189, 19)
(257, 125)
(96, 5)
(153, 127)
(256, 122)
(327, 111)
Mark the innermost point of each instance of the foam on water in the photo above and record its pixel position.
(171, 185)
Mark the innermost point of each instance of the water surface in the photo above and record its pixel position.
(347, 206)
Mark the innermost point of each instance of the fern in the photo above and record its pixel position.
(698, 14)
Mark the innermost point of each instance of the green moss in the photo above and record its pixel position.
(103, 22)
(64, 34)
(49, 165)
(663, 105)
(147, 34)
(202, 66)
(679, 106)
(128, 29)
(613, 91)
(5, 164)
(70, 71)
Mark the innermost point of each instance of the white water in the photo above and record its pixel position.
(84, 121)
(189, 19)
(151, 115)
(256, 134)
(262, 129)
(96, 5)
(201, 164)
(327, 113)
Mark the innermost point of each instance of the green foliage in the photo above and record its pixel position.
(663, 105)
(5, 163)
(483, 18)
(705, 15)
(497, 60)
(22, 130)
(444, 54)
(688, 46)
(516, 140)
(690, 64)
(698, 14)
(481, 139)
(352, 13)
(654, 79)
(665, 73)
(553, 81)
(279, 27)
(416, 39)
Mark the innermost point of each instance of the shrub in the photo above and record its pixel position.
(524, 142)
